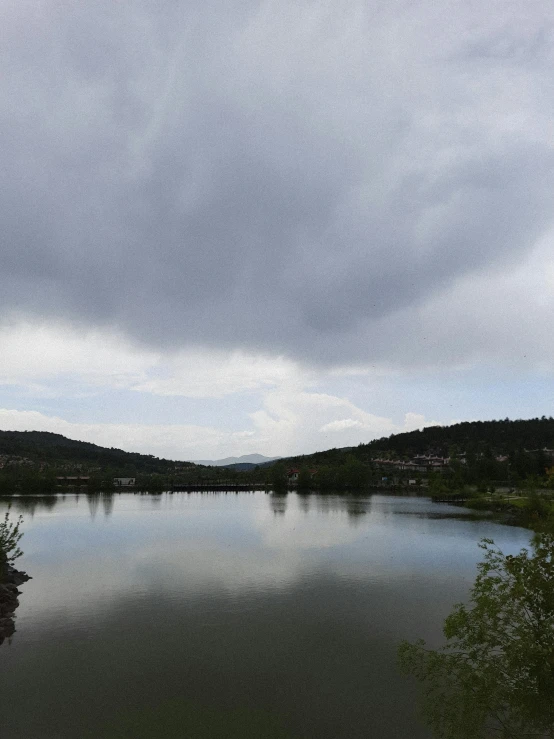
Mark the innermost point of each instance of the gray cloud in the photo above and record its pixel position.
(280, 177)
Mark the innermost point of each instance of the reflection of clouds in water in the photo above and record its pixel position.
(180, 569)
(83, 584)
(188, 546)
(197, 559)
(203, 568)
(296, 531)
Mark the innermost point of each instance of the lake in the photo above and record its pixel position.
(230, 615)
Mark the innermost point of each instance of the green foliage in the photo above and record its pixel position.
(278, 477)
(478, 504)
(354, 474)
(155, 484)
(495, 674)
(96, 484)
(39, 456)
(504, 436)
(56, 450)
(304, 479)
(537, 512)
(10, 536)
(437, 485)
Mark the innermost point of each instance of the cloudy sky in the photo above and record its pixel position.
(237, 226)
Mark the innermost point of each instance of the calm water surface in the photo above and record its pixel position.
(245, 615)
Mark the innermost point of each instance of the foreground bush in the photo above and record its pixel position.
(495, 675)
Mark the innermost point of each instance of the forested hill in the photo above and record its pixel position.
(475, 437)
(501, 437)
(54, 449)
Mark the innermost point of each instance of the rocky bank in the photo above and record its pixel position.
(9, 600)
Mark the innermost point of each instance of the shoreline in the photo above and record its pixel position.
(9, 601)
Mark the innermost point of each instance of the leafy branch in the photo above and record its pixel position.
(10, 536)
(495, 674)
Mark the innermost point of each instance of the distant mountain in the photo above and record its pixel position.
(247, 459)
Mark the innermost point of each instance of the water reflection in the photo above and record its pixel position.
(107, 504)
(304, 503)
(94, 501)
(30, 504)
(8, 605)
(286, 608)
(278, 503)
(9, 601)
(355, 506)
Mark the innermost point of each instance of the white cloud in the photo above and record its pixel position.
(344, 423)
(175, 441)
(50, 360)
(298, 421)
(289, 423)
(211, 374)
(34, 354)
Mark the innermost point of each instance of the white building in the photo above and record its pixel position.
(124, 482)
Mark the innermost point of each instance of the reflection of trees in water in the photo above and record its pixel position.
(7, 610)
(29, 504)
(495, 674)
(354, 506)
(278, 503)
(357, 508)
(304, 502)
(94, 501)
(10, 578)
(8, 605)
(108, 503)
(9, 601)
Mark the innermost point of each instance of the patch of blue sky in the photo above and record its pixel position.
(478, 394)
(132, 407)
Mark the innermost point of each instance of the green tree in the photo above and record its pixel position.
(96, 483)
(437, 484)
(326, 478)
(495, 674)
(279, 477)
(354, 475)
(304, 479)
(10, 536)
(537, 512)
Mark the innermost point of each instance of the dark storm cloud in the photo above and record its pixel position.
(275, 176)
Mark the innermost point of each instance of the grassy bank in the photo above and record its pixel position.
(528, 509)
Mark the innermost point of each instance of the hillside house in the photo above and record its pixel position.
(294, 472)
